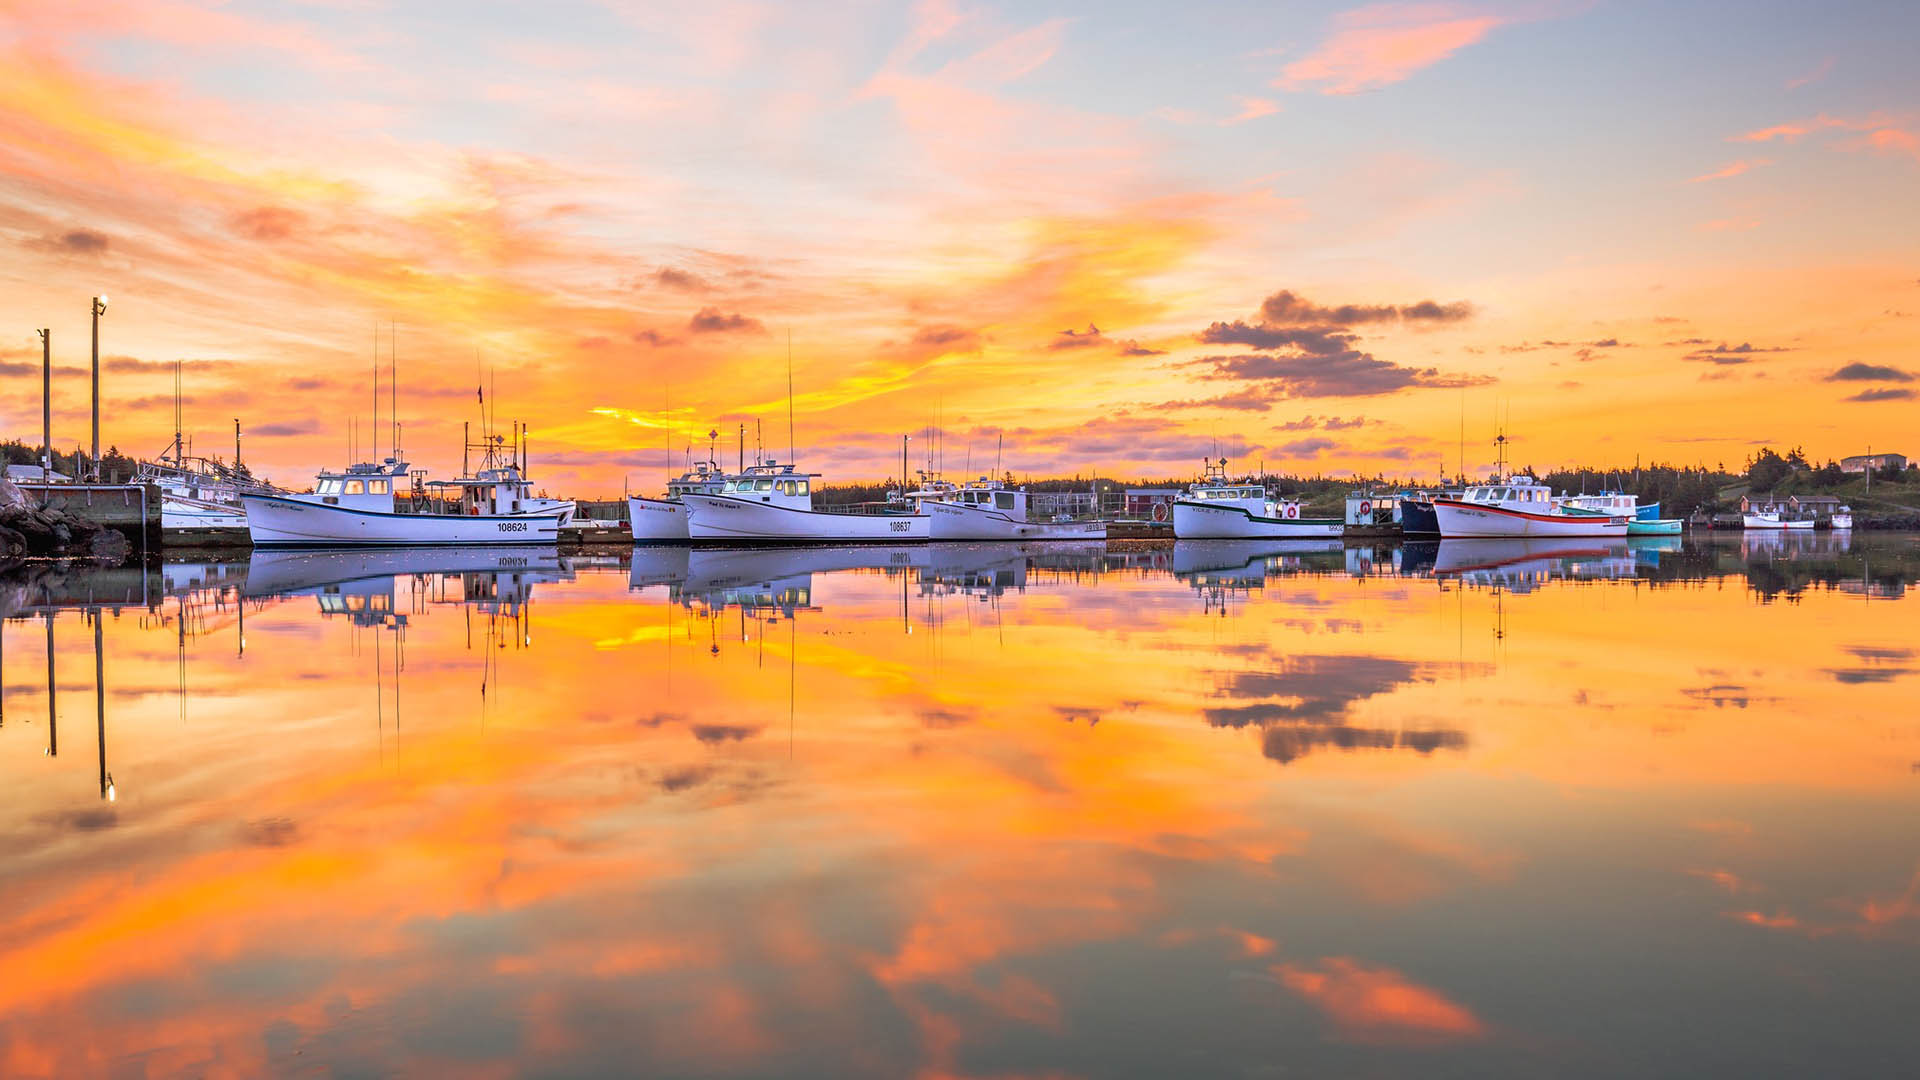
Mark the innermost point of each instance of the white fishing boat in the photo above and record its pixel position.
(1217, 509)
(771, 503)
(199, 492)
(1520, 506)
(1775, 517)
(494, 505)
(988, 509)
(664, 520)
(1842, 518)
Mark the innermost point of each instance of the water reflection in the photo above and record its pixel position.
(966, 810)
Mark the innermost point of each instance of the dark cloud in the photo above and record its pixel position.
(1322, 423)
(675, 780)
(270, 832)
(292, 427)
(1349, 373)
(1134, 348)
(944, 718)
(307, 384)
(1858, 372)
(654, 339)
(1879, 653)
(268, 223)
(1859, 675)
(133, 365)
(947, 337)
(719, 733)
(73, 242)
(1723, 353)
(668, 277)
(1285, 308)
(1304, 447)
(711, 320)
(1884, 393)
(1301, 700)
(1255, 399)
(1078, 339)
(1317, 340)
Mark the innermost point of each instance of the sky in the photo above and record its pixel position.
(1087, 239)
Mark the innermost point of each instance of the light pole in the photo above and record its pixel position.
(46, 408)
(99, 309)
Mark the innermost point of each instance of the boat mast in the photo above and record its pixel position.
(789, 396)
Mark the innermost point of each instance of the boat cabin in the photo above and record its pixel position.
(705, 478)
(1606, 502)
(367, 486)
(981, 494)
(1519, 491)
(491, 491)
(771, 483)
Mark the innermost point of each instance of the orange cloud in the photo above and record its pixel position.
(1379, 1004)
(1381, 44)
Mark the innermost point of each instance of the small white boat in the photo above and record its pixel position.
(1774, 518)
(1217, 509)
(990, 510)
(770, 503)
(664, 520)
(357, 507)
(1842, 518)
(196, 493)
(1520, 507)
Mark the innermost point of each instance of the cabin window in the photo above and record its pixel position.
(800, 487)
(356, 487)
(1003, 500)
(785, 487)
(376, 487)
(763, 485)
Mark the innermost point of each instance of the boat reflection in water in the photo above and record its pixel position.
(1521, 565)
(1072, 825)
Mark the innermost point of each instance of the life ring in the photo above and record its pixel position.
(1365, 508)
(1159, 511)
(1293, 510)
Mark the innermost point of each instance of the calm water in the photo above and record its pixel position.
(990, 811)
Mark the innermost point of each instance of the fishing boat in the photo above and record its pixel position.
(664, 520)
(987, 509)
(771, 503)
(1520, 506)
(1842, 517)
(1772, 516)
(196, 493)
(357, 506)
(1219, 509)
(1417, 518)
(1641, 520)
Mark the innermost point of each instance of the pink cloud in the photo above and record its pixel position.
(1731, 169)
(1375, 46)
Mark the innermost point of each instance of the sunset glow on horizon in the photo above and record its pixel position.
(1327, 238)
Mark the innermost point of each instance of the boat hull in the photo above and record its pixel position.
(1418, 519)
(1653, 527)
(953, 521)
(177, 513)
(273, 521)
(1199, 521)
(727, 520)
(657, 521)
(1466, 520)
(1772, 521)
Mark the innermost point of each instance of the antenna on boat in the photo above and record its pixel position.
(376, 387)
(393, 384)
(789, 395)
(178, 450)
(1000, 445)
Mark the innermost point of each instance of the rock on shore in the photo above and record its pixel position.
(27, 529)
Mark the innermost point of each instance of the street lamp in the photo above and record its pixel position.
(99, 309)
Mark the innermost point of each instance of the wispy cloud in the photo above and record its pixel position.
(1731, 169)
(1381, 44)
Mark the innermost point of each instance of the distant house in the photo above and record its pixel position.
(34, 474)
(1862, 462)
